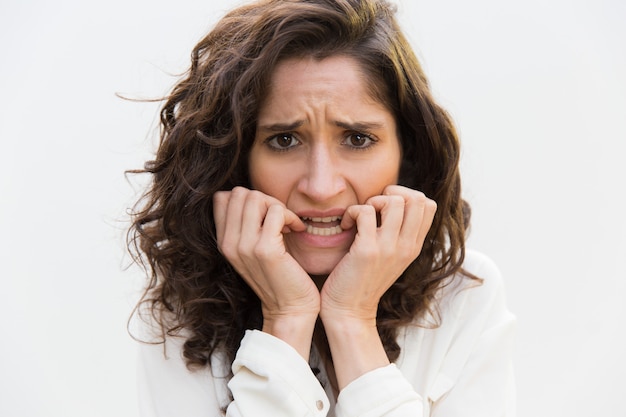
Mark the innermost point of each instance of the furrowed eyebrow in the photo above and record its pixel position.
(360, 126)
(282, 127)
(356, 126)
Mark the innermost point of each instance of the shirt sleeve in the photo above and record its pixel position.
(381, 392)
(270, 379)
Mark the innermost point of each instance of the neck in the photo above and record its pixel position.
(321, 344)
(319, 280)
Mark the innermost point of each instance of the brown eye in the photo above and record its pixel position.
(283, 141)
(359, 141)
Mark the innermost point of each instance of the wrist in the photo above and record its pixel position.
(350, 319)
(355, 346)
(296, 330)
(344, 327)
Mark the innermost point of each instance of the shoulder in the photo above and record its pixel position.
(479, 272)
(479, 264)
(479, 275)
(477, 290)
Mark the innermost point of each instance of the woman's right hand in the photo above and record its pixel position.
(249, 228)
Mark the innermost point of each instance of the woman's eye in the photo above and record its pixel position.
(283, 141)
(359, 140)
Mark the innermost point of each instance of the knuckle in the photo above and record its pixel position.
(218, 195)
(393, 189)
(396, 200)
(369, 252)
(239, 191)
(417, 197)
(367, 209)
(274, 208)
(227, 250)
(244, 249)
(356, 211)
(254, 196)
(261, 251)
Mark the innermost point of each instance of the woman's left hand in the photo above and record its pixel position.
(379, 253)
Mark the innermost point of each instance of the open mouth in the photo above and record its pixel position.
(323, 226)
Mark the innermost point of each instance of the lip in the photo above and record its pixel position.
(308, 240)
(318, 213)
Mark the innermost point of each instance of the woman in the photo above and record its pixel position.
(305, 231)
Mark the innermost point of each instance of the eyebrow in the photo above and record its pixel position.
(282, 127)
(360, 126)
(356, 126)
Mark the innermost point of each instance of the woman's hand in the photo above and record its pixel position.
(381, 251)
(391, 229)
(249, 227)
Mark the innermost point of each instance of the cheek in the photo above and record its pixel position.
(373, 180)
(257, 168)
(269, 178)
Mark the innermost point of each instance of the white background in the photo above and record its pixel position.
(539, 95)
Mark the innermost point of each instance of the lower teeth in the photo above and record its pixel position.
(324, 231)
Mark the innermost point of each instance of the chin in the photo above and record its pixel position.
(319, 270)
(322, 264)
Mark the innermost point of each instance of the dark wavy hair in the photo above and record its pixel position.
(207, 127)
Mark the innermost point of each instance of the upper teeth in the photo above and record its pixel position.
(322, 219)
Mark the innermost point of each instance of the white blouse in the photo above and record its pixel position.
(463, 367)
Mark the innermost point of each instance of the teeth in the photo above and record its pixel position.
(322, 219)
(323, 231)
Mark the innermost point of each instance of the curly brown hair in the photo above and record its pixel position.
(207, 127)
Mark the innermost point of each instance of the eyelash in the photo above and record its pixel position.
(373, 140)
(280, 148)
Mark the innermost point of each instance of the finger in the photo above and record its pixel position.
(275, 221)
(234, 217)
(391, 209)
(253, 213)
(415, 212)
(430, 209)
(220, 204)
(292, 222)
(364, 217)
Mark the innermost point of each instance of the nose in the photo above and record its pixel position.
(322, 179)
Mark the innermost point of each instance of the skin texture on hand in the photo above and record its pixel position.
(379, 254)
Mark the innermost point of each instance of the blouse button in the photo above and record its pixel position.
(319, 404)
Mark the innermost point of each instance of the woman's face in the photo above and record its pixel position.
(322, 144)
